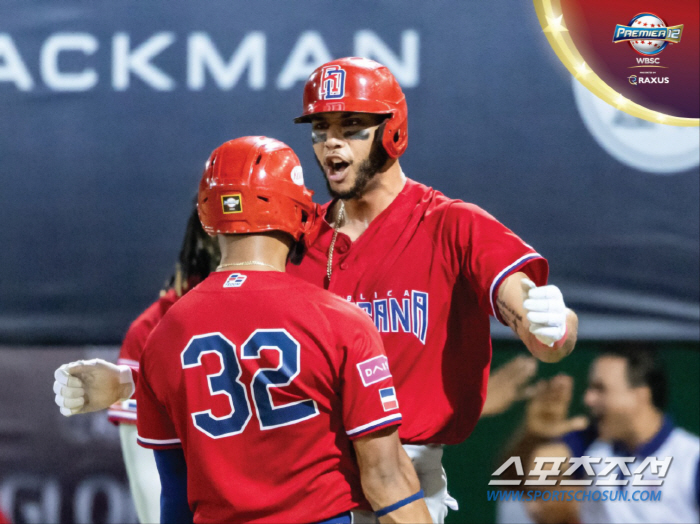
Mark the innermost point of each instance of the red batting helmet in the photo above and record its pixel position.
(254, 184)
(359, 85)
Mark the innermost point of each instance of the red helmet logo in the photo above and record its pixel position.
(332, 83)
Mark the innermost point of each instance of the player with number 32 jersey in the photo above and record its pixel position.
(293, 362)
(263, 380)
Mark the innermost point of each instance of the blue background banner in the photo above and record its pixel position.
(108, 111)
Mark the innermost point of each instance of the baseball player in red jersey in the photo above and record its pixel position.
(427, 269)
(261, 384)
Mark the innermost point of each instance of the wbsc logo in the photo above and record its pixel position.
(648, 34)
(332, 83)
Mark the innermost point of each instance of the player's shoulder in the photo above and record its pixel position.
(443, 210)
(149, 318)
(174, 307)
(682, 437)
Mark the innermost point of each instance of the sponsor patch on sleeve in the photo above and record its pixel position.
(389, 400)
(374, 370)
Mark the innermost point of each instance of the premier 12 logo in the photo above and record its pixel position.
(332, 83)
(647, 34)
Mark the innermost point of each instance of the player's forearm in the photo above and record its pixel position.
(172, 468)
(388, 478)
(385, 489)
(511, 301)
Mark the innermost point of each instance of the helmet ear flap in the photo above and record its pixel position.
(395, 137)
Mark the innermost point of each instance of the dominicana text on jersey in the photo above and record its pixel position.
(401, 312)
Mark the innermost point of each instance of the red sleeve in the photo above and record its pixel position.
(132, 347)
(368, 393)
(154, 427)
(487, 252)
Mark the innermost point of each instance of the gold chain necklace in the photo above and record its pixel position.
(339, 217)
(248, 263)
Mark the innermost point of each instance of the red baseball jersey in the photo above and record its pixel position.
(264, 380)
(427, 271)
(132, 347)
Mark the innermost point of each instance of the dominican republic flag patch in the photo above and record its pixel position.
(388, 396)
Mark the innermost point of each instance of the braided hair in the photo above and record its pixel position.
(199, 256)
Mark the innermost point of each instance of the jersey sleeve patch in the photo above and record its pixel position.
(374, 425)
(389, 400)
(374, 370)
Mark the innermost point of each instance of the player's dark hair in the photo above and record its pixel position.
(298, 249)
(199, 256)
(644, 368)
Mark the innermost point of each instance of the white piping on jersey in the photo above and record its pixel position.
(129, 415)
(504, 272)
(395, 416)
(128, 362)
(159, 441)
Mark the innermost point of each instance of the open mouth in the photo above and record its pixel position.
(336, 169)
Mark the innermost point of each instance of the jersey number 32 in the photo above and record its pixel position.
(227, 382)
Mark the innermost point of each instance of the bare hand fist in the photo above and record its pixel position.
(91, 385)
(548, 410)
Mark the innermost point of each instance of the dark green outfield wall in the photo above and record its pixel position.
(469, 465)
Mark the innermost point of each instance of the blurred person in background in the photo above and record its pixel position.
(509, 384)
(199, 255)
(626, 399)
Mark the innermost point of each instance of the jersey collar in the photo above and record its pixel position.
(649, 448)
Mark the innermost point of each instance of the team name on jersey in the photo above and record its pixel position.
(407, 312)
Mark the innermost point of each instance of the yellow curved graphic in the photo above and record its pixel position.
(551, 19)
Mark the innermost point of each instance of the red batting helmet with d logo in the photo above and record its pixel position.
(359, 85)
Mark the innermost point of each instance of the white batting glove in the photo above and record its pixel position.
(546, 312)
(91, 385)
